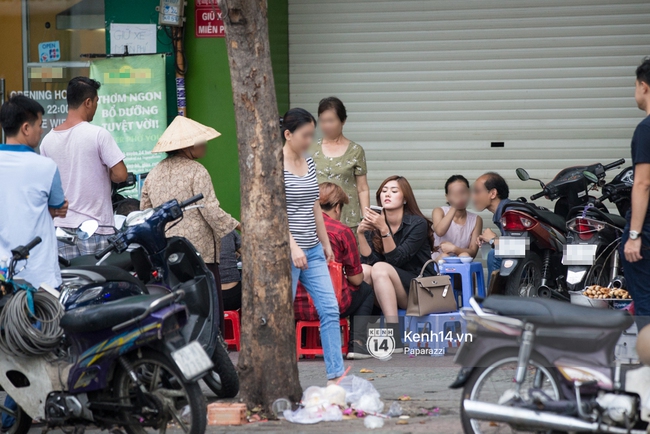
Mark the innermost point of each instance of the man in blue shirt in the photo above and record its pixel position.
(636, 237)
(491, 192)
(31, 192)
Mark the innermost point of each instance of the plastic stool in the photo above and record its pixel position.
(313, 345)
(433, 334)
(470, 273)
(231, 322)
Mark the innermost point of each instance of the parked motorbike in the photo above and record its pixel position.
(535, 237)
(593, 237)
(121, 363)
(541, 365)
(161, 264)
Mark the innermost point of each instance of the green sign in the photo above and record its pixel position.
(132, 105)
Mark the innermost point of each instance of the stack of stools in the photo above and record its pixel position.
(434, 334)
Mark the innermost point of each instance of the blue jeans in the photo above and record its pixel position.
(316, 280)
(493, 264)
(637, 276)
(9, 421)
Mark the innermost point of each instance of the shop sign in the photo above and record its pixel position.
(49, 51)
(208, 23)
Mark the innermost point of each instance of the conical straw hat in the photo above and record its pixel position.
(184, 133)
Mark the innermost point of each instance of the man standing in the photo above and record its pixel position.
(491, 192)
(31, 192)
(636, 237)
(89, 159)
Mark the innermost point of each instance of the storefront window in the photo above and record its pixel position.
(59, 33)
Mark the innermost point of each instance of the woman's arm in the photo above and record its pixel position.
(297, 254)
(363, 190)
(321, 231)
(441, 222)
(410, 244)
(220, 221)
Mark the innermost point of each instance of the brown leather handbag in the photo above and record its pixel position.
(431, 294)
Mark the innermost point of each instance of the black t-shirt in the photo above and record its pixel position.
(641, 147)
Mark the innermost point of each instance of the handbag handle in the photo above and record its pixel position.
(437, 267)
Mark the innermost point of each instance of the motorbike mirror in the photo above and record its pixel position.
(590, 176)
(87, 229)
(522, 174)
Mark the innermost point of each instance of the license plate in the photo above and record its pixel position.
(579, 254)
(192, 360)
(512, 247)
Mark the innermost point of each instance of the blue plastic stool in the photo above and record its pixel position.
(468, 272)
(434, 334)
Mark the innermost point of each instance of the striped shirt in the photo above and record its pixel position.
(302, 192)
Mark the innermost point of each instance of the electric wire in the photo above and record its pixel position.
(24, 334)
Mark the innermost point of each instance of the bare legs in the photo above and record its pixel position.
(389, 291)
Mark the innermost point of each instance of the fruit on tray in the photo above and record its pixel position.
(602, 292)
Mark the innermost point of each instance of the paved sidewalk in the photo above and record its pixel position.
(424, 379)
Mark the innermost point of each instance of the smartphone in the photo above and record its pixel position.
(377, 209)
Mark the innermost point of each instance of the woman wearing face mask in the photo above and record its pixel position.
(341, 161)
(394, 245)
(310, 245)
(456, 230)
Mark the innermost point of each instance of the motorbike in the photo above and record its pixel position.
(122, 363)
(161, 265)
(593, 238)
(534, 237)
(542, 365)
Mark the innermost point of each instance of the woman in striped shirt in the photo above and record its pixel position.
(310, 246)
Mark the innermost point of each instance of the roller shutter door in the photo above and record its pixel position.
(430, 85)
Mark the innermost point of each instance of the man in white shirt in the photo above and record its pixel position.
(31, 193)
(88, 159)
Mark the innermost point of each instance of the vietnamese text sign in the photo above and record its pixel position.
(132, 105)
(209, 22)
(140, 38)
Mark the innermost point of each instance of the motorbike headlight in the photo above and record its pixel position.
(138, 217)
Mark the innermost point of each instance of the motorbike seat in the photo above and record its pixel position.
(119, 260)
(554, 313)
(104, 316)
(544, 215)
(108, 272)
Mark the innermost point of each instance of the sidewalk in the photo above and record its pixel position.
(423, 379)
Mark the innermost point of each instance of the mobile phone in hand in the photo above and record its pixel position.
(377, 209)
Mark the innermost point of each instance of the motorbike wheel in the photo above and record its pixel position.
(493, 381)
(21, 425)
(223, 380)
(182, 403)
(599, 273)
(526, 278)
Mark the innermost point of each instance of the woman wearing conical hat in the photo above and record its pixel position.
(180, 176)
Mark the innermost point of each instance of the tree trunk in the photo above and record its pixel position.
(267, 362)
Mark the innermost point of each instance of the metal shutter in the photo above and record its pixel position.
(430, 84)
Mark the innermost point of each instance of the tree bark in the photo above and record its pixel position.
(267, 361)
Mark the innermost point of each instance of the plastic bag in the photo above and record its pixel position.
(372, 422)
(318, 404)
(356, 387)
(395, 410)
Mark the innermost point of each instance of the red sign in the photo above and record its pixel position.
(209, 23)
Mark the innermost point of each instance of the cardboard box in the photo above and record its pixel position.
(225, 413)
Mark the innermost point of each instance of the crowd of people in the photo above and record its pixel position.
(381, 247)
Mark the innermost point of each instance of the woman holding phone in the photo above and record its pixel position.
(310, 245)
(394, 244)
